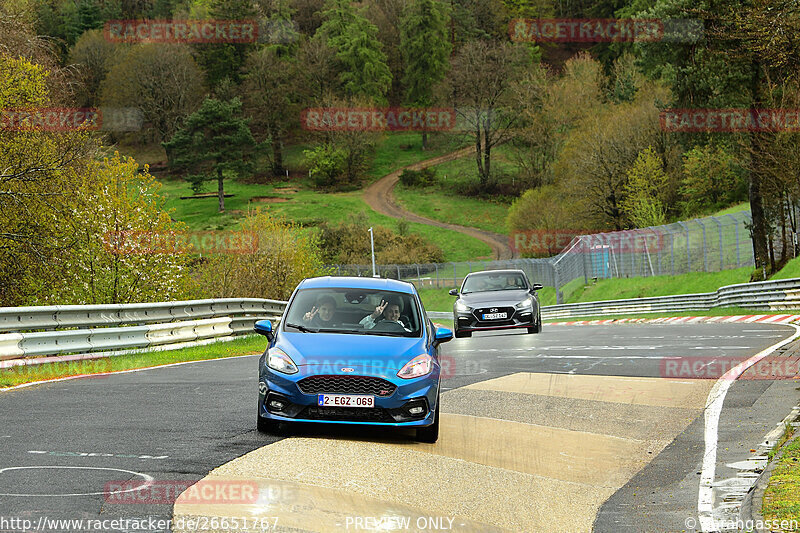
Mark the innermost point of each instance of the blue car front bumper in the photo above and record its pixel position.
(294, 398)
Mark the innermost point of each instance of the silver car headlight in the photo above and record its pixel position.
(524, 304)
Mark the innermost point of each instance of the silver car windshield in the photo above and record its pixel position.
(493, 282)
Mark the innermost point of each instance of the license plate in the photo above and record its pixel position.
(494, 316)
(345, 400)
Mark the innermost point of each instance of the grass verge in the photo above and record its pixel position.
(249, 344)
(782, 496)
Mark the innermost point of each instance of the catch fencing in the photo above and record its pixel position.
(709, 244)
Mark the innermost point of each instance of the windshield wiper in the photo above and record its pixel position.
(302, 328)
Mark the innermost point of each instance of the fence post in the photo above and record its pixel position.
(585, 270)
(436, 265)
(688, 248)
(358, 270)
(419, 278)
(672, 252)
(721, 252)
(736, 229)
(398, 272)
(455, 276)
(705, 246)
(555, 279)
(338, 270)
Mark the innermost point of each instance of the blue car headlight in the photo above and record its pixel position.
(278, 360)
(421, 365)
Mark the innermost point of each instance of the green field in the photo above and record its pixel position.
(442, 201)
(303, 206)
(433, 203)
(397, 150)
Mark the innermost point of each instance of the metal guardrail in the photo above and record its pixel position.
(54, 330)
(776, 295)
(765, 295)
(63, 329)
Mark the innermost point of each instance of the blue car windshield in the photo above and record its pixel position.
(354, 311)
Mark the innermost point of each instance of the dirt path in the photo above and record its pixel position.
(380, 197)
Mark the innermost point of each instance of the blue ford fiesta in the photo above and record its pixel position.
(352, 351)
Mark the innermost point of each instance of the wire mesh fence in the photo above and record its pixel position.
(707, 244)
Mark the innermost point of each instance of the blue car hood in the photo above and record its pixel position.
(347, 350)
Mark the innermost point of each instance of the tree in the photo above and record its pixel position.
(712, 178)
(481, 78)
(93, 54)
(162, 80)
(38, 179)
(106, 258)
(285, 256)
(362, 62)
(593, 164)
(214, 141)
(549, 108)
(426, 48)
(270, 101)
(644, 191)
(222, 61)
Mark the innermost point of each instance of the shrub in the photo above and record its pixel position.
(286, 254)
(418, 178)
(348, 243)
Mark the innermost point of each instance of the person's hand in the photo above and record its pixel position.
(308, 316)
(379, 309)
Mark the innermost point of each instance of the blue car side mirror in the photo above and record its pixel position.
(264, 327)
(442, 335)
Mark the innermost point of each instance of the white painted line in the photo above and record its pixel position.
(32, 383)
(705, 496)
(148, 480)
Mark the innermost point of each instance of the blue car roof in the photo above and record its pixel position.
(353, 282)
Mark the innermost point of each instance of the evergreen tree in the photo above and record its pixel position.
(425, 44)
(214, 140)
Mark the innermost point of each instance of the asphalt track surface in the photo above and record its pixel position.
(62, 443)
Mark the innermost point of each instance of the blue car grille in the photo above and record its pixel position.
(349, 414)
(346, 385)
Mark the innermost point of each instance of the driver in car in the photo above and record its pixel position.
(387, 311)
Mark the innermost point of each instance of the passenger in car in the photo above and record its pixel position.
(323, 314)
(387, 311)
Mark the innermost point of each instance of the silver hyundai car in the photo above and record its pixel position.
(496, 299)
